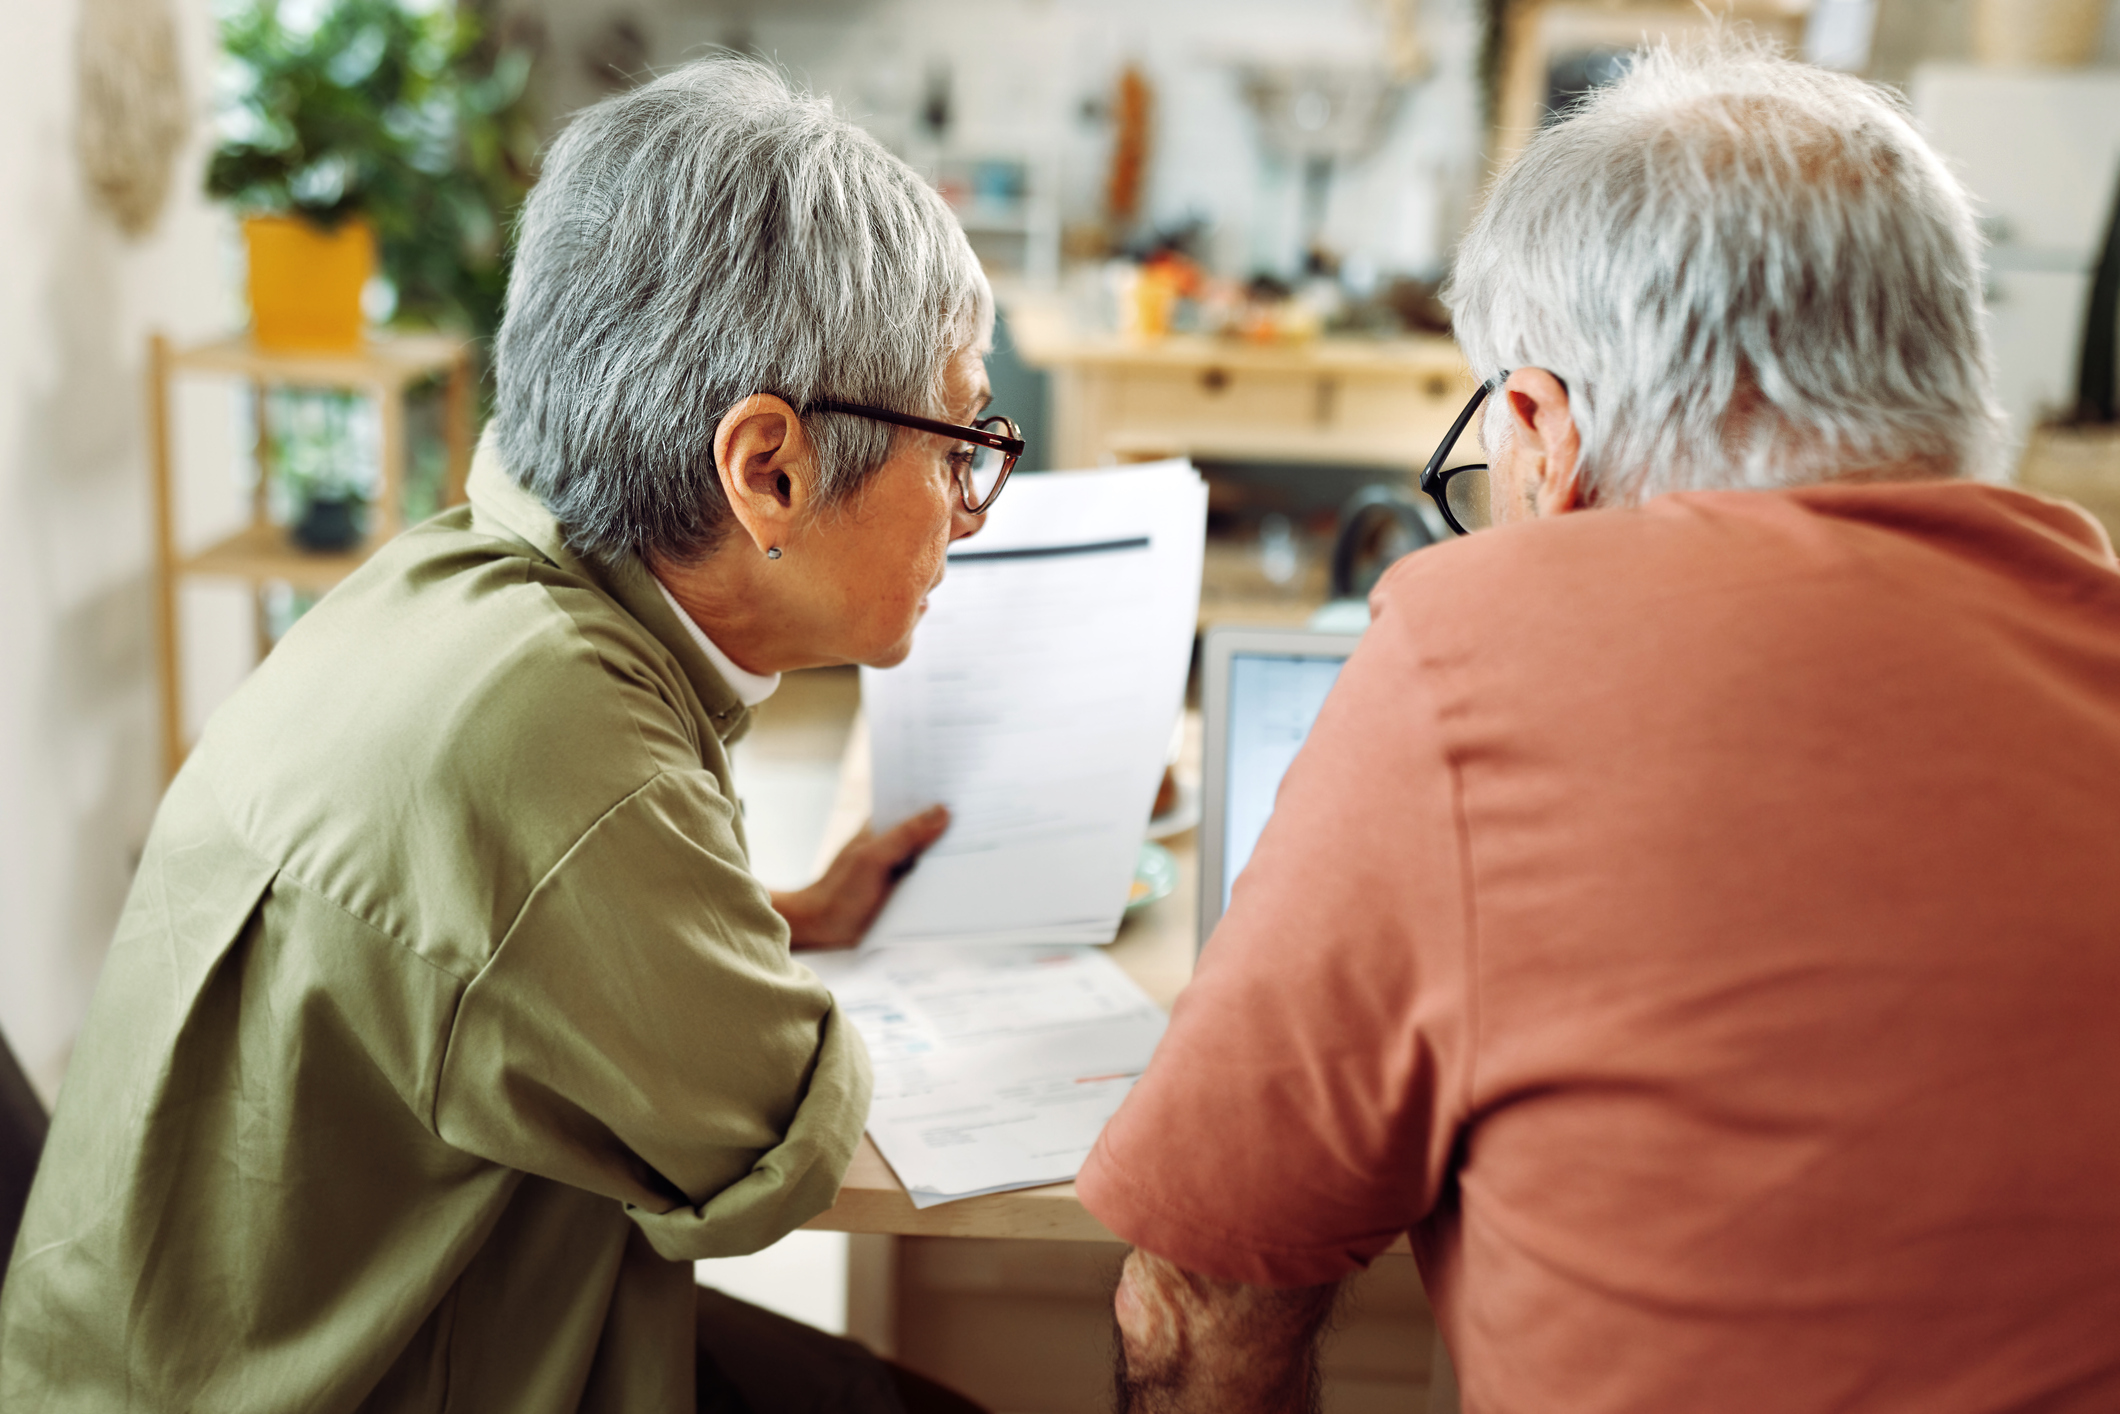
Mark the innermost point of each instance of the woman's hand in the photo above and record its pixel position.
(835, 911)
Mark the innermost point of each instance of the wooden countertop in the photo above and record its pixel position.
(1047, 338)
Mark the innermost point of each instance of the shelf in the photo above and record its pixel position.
(1255, 611)
(1235, 590)
(391, 360)
(1047, 337)
(266, 554)
(382, 367)
(1001, 218)
(1409, 356)
(1239, 443)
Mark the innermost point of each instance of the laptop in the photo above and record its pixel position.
(1261, 690)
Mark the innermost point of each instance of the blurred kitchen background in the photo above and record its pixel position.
(1216, 228)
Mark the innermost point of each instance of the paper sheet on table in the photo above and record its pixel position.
(995, 1068)
(1037, 704)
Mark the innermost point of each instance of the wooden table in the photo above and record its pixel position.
(1156, 949)
(1155, 946)
(1015, 1307)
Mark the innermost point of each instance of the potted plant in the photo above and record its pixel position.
(323, 444)
(363, 133)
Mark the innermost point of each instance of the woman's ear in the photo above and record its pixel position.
(763, 459)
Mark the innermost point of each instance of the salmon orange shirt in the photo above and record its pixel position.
(1699, 925)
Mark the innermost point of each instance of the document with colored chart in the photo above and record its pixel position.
(1037, 704)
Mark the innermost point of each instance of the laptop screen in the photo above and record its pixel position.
(1273, 699)
(1260, 690)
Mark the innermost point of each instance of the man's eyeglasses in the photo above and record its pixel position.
(1461, 493)
(982, 465)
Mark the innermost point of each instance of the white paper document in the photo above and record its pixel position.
(995, 1068)
(1037, 704)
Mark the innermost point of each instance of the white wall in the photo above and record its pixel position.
(1023, 68)
(78, 774)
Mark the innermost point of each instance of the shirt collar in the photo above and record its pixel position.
(499, 506)
(749, 686)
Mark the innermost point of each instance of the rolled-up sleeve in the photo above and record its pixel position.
(642, 1032)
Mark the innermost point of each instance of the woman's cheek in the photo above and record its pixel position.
(938, 548)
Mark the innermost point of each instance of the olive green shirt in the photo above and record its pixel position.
(445, 1023)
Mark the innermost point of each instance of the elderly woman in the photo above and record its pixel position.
(447, 1024)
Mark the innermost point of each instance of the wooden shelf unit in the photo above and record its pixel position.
(263, 553)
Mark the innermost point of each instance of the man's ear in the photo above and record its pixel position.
(1539, 414)
(763, 459)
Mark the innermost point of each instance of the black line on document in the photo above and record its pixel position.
(1052, 552)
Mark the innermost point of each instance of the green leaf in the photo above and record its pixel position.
(410, 119)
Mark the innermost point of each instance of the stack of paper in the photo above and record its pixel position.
(995, 1069)
(1037, 704)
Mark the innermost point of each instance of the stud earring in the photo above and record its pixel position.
(774, 553)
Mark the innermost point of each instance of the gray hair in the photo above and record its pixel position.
(1749, 273)
(709, 236)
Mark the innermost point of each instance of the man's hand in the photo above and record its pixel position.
(836, 910)
(1191, 1343)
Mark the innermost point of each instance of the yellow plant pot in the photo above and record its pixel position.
(305, 282)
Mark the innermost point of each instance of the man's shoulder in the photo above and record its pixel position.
(1681, 552)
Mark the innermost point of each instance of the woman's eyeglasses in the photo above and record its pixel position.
(1461, 493)
(982, 465)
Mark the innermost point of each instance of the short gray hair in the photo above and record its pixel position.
(712, 235)
(1748, 271)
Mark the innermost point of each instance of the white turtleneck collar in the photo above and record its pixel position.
(750, 687)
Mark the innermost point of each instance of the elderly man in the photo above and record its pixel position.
(1693, 916)
(446, 1024)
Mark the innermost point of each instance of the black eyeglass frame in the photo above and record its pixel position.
(1435, 480)
(1010, 443)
